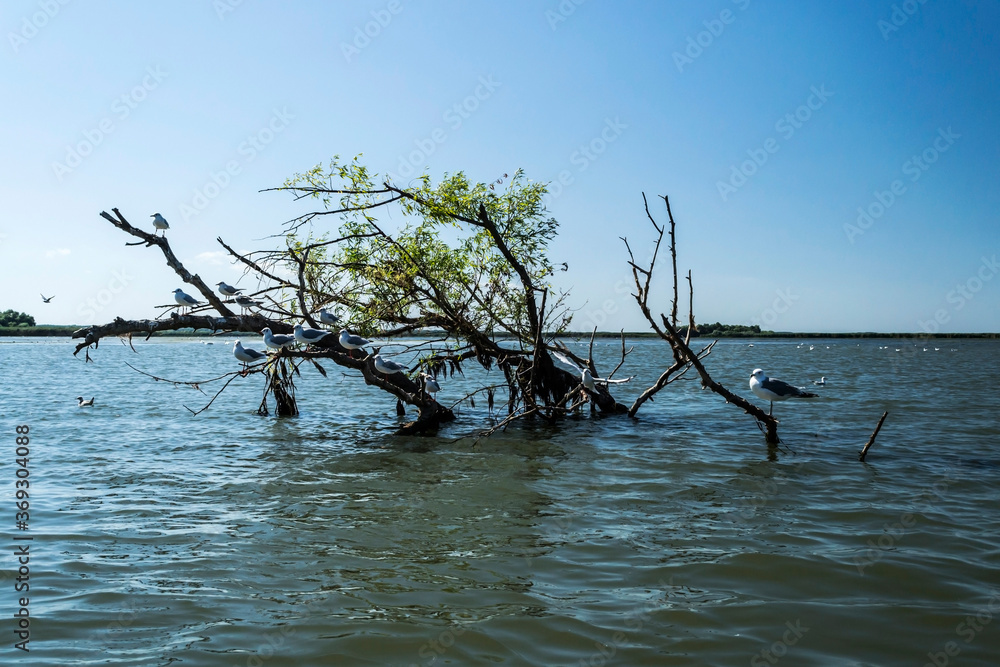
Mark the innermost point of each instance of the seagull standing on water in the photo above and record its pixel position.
(328, 318)
(160, 223)
(228, 290)
(246, 354)
(85, 404)
(387, 366)
(352, 342)
(774, 390)
(183, 299)
(276, 341)
(820, 382)
(310, 336)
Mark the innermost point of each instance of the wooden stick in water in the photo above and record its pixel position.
(871, 440)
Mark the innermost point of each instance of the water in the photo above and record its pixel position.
(679, 539)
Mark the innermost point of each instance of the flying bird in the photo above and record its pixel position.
(388, 366)
(183, 299)
(277, 341)
(46, 299)
(774, 390)
(85, 404)
(310, 336)
(328, 318)
(160, 223)
(246, 354)
(228, 290)
(352, 342)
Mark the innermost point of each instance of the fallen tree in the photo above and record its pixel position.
(465, 265)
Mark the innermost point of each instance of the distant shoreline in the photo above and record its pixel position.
(47, 330)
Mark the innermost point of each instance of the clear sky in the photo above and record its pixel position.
(832, 166)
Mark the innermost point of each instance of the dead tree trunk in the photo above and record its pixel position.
(684, 356)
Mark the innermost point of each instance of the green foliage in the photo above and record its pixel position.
(12, 318)
(719, 330)
(441, 264)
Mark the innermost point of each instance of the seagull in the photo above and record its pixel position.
(46, 299)
(276, 341)
(431, 385)
(774, 390)
(328, 318)
(85, 404)
(245, 302)
(310, 336)
(160, 223)
(245, 354)
(183, 299)
(387, 366)
(352, 342)
(821, 382)
(228, 290)
(588, 380)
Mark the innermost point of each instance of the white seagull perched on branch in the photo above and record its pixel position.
(431, 385)
(328, 318)
(586, 377)
(352, 342)
(183, 299)
(276, 341)
(309, 336)
(160, 223)
(228, 290)
(388, 366)
(246, 354)
(774, 390)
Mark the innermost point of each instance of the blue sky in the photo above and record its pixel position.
(772, 126)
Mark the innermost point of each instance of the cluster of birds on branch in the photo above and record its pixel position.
(302, 335)
(761, 385)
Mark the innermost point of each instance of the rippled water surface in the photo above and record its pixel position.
(678, 539)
